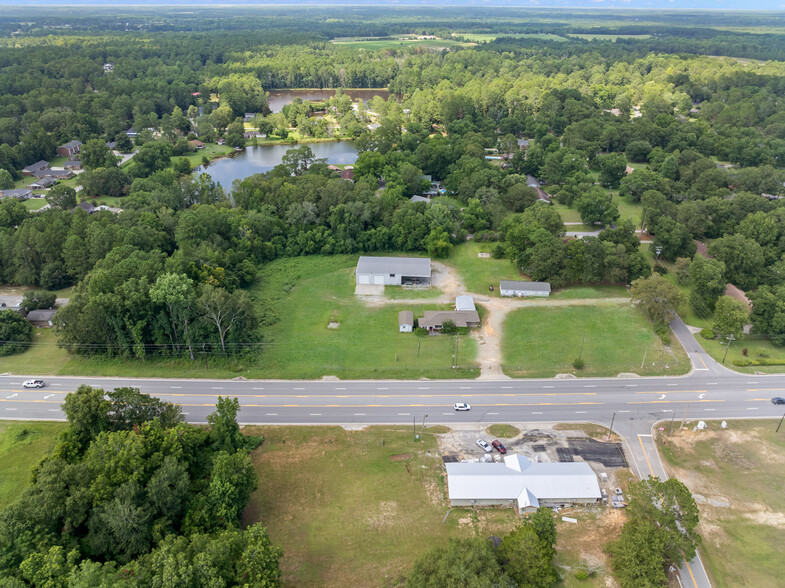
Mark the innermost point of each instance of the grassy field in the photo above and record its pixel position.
(577, 292)
(210, 151)
(400, 43)
(616, 339)
(480, 272)
(741, 469)
(345, 514)
(43, 358)
(503, 431)
(34, 203)
(297, 298)
(22, 445)
(488, 37)
(591, 37)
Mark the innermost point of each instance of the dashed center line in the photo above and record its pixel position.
(359, 414)
(271, 414)
(175, 387)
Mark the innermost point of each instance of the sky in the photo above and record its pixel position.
(778, 5)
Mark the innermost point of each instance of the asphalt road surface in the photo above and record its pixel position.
(633, 405)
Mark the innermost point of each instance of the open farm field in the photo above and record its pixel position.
(736, 478)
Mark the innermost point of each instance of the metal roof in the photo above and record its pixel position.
(464, 303)
(436, 318)
(415, 267)
(514, 285)
(503, 481)
(41, 315)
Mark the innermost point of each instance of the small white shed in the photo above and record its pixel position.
(524, 289)
(464, 303)
(405, 321)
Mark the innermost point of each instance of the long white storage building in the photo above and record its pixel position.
(520, 289)
(393, 271)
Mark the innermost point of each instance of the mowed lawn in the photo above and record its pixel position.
(480, 272)
(299, 297)
(544, 341)
(43, 358)
(345, 514)
(742, 470)
(22, 445)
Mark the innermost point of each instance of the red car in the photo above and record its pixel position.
(499, 447)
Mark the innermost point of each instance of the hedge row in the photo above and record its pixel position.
(746, 362)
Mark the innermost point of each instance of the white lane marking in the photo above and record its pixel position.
(711, 383)
(701, 369)
(218, 387)
(752, 382)
(10, 409)
(465, 388)
(632, 385)
(340, 388)
(493, 413)
(671, 384)
(382, 388)
(506, 387)
(590, 386)
(664, 410)
(581, 411)
(48, 396)
(54, 410)
(315, 414)
(662, 396)
(12, 395)
(271, 414)
(622, 411)
(536, 413)
(298, 388)
(708, 409)
(700, 396)
(176, 387)
(644, 435)
(425, 388)
(404, 414)
(186, 413)
(547, 386)
(56, 384)
(446, 413)
(752, 408)
(257, 388)
(359, 414)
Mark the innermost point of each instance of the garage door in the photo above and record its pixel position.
(363, 279)
(378, 280)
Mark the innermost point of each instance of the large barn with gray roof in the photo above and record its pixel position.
(393, 271)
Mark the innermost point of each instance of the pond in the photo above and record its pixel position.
(263, 158)
(280, 98)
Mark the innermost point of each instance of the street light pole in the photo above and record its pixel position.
(780, 424)
(670, 429)
(731, 338)
(613, 419)
(422, 431)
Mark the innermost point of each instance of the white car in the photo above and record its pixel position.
(462, 406)
(484, 445)
(33, 384)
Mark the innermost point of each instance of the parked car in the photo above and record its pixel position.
(462, 406)
(778, 400)
(499, 447)
(484, 445)
(33, 384)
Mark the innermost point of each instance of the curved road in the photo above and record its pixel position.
(634, 404)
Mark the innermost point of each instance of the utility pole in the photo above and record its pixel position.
(685, 417)
(611, 429)
(780, 424)
(581, 353)
(670, 429)
(422, 431)
(731, 338)
(414, 428)
(457, 348)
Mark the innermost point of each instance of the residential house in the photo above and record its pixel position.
(393, 271)
(18, 193)
(42, 184)
(69, 149)
(42, 317)
(105, 208)
(108, 66)
(35, 167)
(334, 168)
(520, 483)
(347, 174)
(73, 164)
(220, 141)
(433, 320)
(196, 144)
(249, 116)
(405, 321)
(132, 132)
(426, 199)
(524, 289)
(57, 174)
(112, 145)
(85, 206)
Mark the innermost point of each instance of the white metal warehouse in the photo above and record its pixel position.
(521, 483)
(393, 271)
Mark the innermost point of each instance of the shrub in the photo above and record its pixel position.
(578, 364)
(498, 251)
(38, 299)
(708, 334)
(661, 269)
(753, 362)
(449, 328)
(581, 575)
(420, 332)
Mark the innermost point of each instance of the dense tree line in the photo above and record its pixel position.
(134, 496)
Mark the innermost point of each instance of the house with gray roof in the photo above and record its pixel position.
(524, 289)
(18, 193)
(42, 317)
(405, 321)
(34, 167)
(42, 183)
(393, 271)
(521, 483)
(69, 149)
(433, 320)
